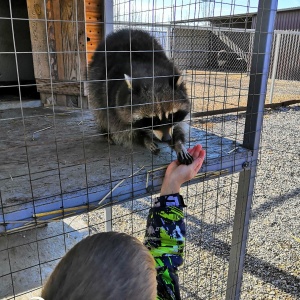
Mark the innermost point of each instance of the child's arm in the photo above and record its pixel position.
(165, 237)
(165, 232)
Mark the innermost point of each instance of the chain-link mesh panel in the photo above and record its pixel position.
(191, 48)
(212, 48)
(239, 44)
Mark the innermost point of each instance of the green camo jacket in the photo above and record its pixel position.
(165, 238)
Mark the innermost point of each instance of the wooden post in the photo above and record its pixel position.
(59, 45)
(38, 28)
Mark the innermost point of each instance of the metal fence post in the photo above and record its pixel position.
(108, 28)
(254, 117)
(275, 64)
(108, 17)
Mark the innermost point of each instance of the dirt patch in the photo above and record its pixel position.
(210, 90)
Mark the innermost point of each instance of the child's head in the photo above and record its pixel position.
(106, 265)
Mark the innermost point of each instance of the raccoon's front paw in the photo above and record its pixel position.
(152, 147)
(184, 157)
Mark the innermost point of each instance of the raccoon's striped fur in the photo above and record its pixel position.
(137, 93)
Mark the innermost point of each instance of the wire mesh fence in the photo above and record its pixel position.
(64, 180)
(229, 50)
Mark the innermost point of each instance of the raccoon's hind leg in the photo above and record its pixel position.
(179, 133)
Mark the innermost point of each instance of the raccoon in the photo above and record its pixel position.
(137, 93)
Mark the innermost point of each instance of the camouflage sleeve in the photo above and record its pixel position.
(165, 237)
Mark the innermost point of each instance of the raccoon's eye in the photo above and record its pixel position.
(146, 122)
(156, 121)
(178, 116)
(174, 81)
(136, 90)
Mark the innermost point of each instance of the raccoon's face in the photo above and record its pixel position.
(155, 105)
(161, 124)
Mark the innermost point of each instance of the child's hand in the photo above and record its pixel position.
(177, 174)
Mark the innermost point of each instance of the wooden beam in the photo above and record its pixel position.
(94, 25)
(59, 49)
(61, 87)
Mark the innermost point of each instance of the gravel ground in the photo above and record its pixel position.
(273, 250)
(273, 254)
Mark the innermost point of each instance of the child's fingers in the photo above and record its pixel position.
(199, 161)
(202, 154)
(197, 150)
(192, 150)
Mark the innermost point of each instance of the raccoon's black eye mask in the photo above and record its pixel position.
(155, 121)
(178, 116)
(147, 122)
(137, 85)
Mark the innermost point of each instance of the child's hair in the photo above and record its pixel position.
(107, 266)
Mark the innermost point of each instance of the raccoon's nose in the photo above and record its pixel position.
(166, 137)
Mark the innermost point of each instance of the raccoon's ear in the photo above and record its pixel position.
(128, 81)
(176, 81)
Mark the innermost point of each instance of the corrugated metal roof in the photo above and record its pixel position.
(286, 19)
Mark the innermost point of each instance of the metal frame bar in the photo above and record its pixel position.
(254, 118)
(108, 28)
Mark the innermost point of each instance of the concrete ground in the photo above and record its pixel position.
(33, 254)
